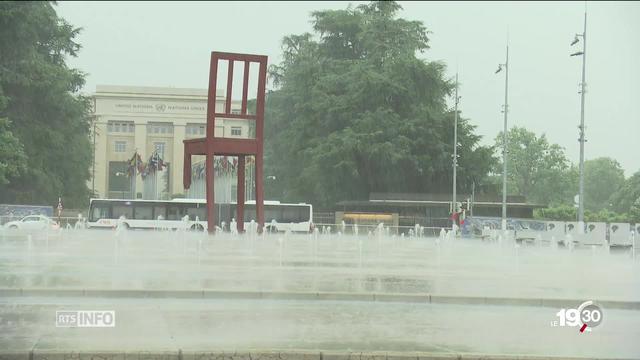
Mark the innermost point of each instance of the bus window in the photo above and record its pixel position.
(200, 212)
(143, 212)
(294, 214)
(122, 210)
(176, 212)
(99, 211)
(249, 213)
(304, 212)
(159, 210)
(272, 213)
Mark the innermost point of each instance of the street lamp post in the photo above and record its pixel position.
(581, 139)
(504, 138)
(455, 153)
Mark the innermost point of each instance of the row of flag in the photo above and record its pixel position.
(224, 165)
(155, 163)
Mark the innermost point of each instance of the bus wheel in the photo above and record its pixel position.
(197, 227)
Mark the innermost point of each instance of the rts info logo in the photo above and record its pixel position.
(86, 318)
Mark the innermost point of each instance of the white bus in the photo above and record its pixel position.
(143, 214)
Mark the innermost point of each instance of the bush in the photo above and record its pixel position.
(569, 213)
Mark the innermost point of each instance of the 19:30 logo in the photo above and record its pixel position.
(588, 315)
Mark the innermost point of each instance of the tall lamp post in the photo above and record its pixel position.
(505, 66)
(455, 154)
(581, 139)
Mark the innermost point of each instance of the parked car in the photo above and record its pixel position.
(33, 222)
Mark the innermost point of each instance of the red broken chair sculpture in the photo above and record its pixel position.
(212, 145)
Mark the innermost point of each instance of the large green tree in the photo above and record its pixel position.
(623, 199)
(602, 177)
(12, 158)
(46, 120)
(357, 112)
(537, 169)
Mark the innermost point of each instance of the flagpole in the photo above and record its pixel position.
(155, 176)
(135, 174)
(504, 143)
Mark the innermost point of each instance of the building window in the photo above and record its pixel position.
(195, 129)
(159, 148)
(236, 131)
(235, 111)
(120, 127)
(120, 146)
(160, 128)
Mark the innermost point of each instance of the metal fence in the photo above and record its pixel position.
(325, 217)
(405, 222)
(353, 229)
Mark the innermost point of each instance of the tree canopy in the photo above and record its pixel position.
(537, 169)
(602, 177)
(44, 149)
(626, 198)
(357, 112)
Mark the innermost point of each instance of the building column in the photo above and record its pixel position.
(101, 176)
(140, 141)
(179, 132)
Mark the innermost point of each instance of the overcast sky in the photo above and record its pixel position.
(169, 44)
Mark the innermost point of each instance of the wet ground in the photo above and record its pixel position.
(99, 260)
(191, 325)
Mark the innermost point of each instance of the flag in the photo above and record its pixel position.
(161, 164)
(225, 164)
(196, 171)
(139, 163)
(132, 165)
(152, 163)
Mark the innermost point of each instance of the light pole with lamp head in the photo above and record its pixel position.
(455, 156)
(505, 66)
(581, 139)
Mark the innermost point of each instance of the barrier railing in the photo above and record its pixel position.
(351, 229)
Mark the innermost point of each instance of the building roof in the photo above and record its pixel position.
(444, 197)
(416, 203)
(154, 92)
